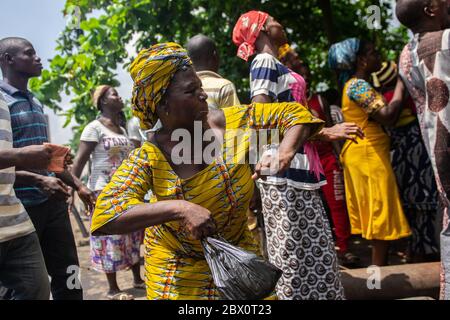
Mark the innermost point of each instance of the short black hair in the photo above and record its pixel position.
(201, 48)
(11, 45)
(410, 12)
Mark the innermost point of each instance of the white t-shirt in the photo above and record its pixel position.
(112, 148)
(134, 130)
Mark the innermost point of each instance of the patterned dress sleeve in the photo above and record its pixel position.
(127, 188)
(363, 94)
(282, 116)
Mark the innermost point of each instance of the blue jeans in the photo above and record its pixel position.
(22, 269)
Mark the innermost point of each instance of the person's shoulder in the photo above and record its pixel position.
(211, 78)
(264, 59)
(357, 86)
(226, 84)
(91, 132)
(96, 127)
(357, 82)
(9, 99)
(94, 124)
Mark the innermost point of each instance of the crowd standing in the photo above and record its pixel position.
(368, 158)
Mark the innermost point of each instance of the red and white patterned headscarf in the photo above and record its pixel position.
(246, 31)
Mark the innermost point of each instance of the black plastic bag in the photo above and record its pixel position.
(239, 274)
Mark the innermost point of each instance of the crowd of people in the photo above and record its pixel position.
(369, 158)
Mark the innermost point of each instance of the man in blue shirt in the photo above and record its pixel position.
(42, 193)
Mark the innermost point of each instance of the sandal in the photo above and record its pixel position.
(120, 296)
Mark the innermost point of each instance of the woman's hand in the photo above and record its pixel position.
(342, 131)
(197, 220)
(272, 164)
(88, 197)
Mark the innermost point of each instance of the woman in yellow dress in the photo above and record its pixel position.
(371, 190)
(192, 199)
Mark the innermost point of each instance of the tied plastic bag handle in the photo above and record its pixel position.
(239, 274)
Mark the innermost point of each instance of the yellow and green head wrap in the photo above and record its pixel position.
(152, 71)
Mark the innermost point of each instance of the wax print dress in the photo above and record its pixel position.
(175, 265)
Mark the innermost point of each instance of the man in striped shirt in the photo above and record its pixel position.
(22, 266)
(205, 57)
(42, 193)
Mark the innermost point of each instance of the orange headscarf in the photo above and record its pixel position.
(246, 31)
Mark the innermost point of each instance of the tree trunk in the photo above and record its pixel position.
(330, 30)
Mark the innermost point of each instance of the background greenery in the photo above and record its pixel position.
(90, 48)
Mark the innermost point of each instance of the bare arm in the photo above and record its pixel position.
(10, 158)
(196, 219)
(30, 157)
(72, 179)
(84, 152)
(388, 115)
(262, 98)
(26, 177)
(49, 185)
(69, 179)
(292, 140)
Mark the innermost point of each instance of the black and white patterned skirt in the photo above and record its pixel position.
(299, 242)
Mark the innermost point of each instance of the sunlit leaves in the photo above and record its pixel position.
(89, 55)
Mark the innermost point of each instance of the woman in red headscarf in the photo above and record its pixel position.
(299, 238)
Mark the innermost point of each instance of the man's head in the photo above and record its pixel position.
(18, 56)
(203, 52)
(423, 15)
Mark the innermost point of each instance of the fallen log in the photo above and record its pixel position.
(392, 282)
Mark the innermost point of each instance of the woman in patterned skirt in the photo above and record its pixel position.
(299, 238)
(107, 143)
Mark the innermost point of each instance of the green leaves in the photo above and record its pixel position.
(88, 56)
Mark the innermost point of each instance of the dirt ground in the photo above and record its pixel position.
(95, 285)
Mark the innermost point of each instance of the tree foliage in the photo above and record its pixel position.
(93, 45)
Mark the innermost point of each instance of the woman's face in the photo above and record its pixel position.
(275, 32)
(372, 58)
(185, 100)
(111, 100)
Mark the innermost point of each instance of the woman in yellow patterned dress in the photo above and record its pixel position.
(373, 200)
(190, 201)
